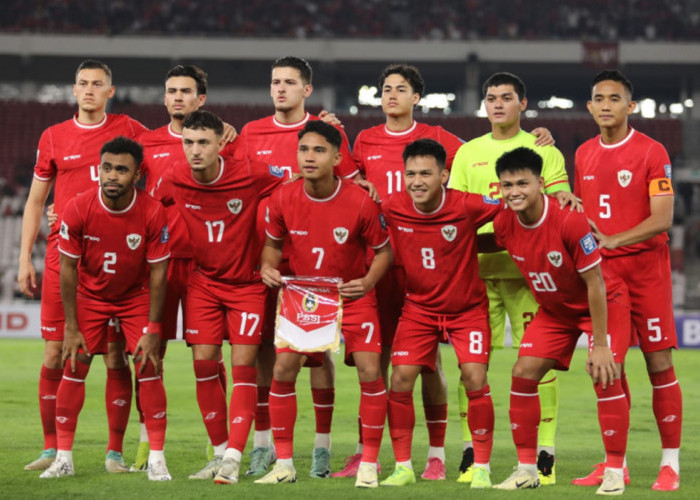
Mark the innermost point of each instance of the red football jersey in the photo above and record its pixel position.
(114, 247)
(378, 153)
(220, 216)
(275, 144)
(69, 153)
(438, 249)
(328, 237)
(550, 254)
(615, 183)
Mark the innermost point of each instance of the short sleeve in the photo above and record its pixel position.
(658, 163)
(458, 178)
(554, 171)
(158, 236)
(275, 226)
(582, 245)
(357, 154)
(137, 128)
(45, 168)
(451, 143)
(481, 208)
(70, 237)
(499, 229)
(374, 229)
(347, 168)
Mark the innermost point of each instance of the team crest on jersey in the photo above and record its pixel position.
(340, 234)
(133, 240)
(310, 302)
(555, 258)
(64, 231)
(449, 232)
(235, 206)
(624, 177)
(588, 244)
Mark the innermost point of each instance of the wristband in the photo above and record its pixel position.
(154, 327)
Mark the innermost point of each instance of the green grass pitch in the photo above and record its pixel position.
(578, 440)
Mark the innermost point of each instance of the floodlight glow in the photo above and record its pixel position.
(648, 108)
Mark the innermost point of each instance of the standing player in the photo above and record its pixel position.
(433, 232)
(185, 91)
(554, 248)
(473, 170)
(329, 224)
(273, 140)
(114, 260)
(218, 200)
(68, 159)
(624, 180)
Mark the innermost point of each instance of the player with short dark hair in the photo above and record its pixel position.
(114, 260)
(433, 232)
(554, 248)
(329, 224)
(273, 140)
(68, 160)
(624, 180)
(473, 170)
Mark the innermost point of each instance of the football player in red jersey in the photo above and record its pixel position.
(329, 224)
(68, 159)
(556, 252)
(433, 232)
(114, 258)
(624, 180)
(273, 140)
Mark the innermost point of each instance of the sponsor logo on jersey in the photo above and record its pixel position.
(405, 229)
(71, 157)
(667, 170)
(133, 240)
(518, 258)
(193, 207)
(490, 201)
(161, 155)
(340, 234)
(63, 232)
(555, 258)
(297, 232)
(589, 177)
(164, 234)
(310, 302)
(588, 244)
(276, 171)
(480, 164)
(263, 152)
(235, 206)
(449, 232)
(374, 157)
(382, 221)
(91, 238)
(624, 177)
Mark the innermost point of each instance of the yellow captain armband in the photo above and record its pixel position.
(660, 187)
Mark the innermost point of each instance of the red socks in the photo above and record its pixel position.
(49, 380)
(436, 421)
(480, 417)
(402, 420)
(118, 393)
(243, 403)
(262, 410)
(283, 415)
(667, 402)
(153, 404)
(373, 408)
(211, 400)
(223, 379)
(69, 401)
(614, 419)
(524, 418)
(324, 400)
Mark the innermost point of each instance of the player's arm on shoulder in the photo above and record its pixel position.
(543, 137)
(330, 118)
(31, 222)
(367, 186)
(269, 262)
(73, 340)
(230, 133)
(354, 289)
(600, 364)
(659, 221)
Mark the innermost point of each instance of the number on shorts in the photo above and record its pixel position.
(110, 260)
(476, 342)
(369, 326)
(320, 253)
(542, 282)
(428, 255)
(249, 318)
(215, 230)
(652, 326)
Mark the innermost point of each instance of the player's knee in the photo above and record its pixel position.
(658, 361)
(368, 372)
(52, 355)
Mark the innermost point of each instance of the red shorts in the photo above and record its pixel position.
(548, 337)
(419, 333)
(360, 330)
(390, 290)
(648, 277)
(52, 318)
(94, 316)
(217, 311)
(179, 271)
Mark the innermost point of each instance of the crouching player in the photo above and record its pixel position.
(558, 255)
(114, 261)
(433, 231)
(330, 224)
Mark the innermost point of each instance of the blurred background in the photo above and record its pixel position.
(555, 47)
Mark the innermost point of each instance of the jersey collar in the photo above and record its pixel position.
(542, 218)
(402, 132)
(323, 200)
(216, 179)
(123, 211)
(617, 144)
(442, 204)
(172, 132)
(291, 125)
(88, 127)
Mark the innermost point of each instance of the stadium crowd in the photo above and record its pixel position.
(596, 20)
